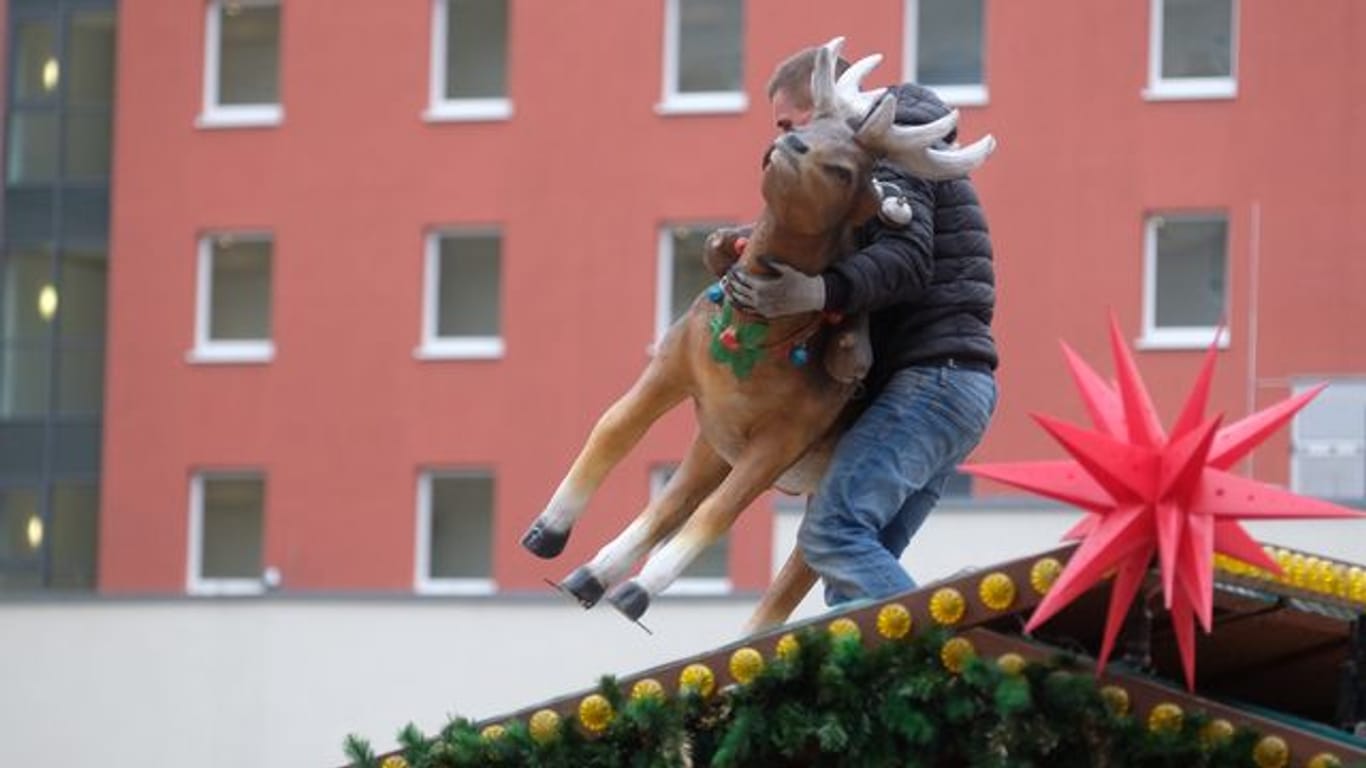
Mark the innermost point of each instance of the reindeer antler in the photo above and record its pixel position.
(909, 146)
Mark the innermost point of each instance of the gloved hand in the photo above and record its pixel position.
(787, 293)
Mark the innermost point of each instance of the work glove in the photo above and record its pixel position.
(789, 292)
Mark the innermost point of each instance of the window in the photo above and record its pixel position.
(1328, 442)
(703, 56)
(241, 64)
(1185, 280)
(709, 574)
(469, 75)
(945, 48)
(227, 525)
(1192, 49)
(455, 533)
(462, 302)
(682, 275)
(233, 315)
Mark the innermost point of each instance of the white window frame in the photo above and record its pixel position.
(215, 115)
(1319, 447)
(1187, 88)
(696, 103)
(971, 95)
(1178, 337)
(441, 109)
(433, 346)
(687, 586)
(207, 350)
(195, 583)
(423, 582)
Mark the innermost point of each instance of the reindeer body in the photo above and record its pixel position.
(774, 423)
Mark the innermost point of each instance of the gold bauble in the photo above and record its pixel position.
(997, 591)
(956, 653)
(698, 678)
(1011, 663)
(1216, 732)
(545, 726)
(1165, 718)
(1044, 572)
(1324, 760)
(1271, 752)
(394, 761)
(947, 606)
(845, 628)
(788, 647)
(595, 712)
(647, 688)
(893, 621)
(493, 732)
(745, 665)
(1116, 700)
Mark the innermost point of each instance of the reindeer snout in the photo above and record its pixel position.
(794, 143)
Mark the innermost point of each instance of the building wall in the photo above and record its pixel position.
(580, 179)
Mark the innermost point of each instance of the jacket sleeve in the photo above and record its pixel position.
(896, 264)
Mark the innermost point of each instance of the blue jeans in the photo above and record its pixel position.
(886, 475)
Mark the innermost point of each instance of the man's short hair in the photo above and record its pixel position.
(793, 76)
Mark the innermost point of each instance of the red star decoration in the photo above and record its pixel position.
(1148, 493)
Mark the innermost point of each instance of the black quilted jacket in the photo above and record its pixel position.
(930, 286)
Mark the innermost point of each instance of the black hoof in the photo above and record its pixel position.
(543, 542)
(631, 599)
(583, 586)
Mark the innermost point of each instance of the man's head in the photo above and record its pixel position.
(789, 89)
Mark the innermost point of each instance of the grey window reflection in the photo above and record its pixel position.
(949, 42)
(1191, 271)
(469, 286)
(476, 49)
(1197, 38)
(249, 54)
(710, 46)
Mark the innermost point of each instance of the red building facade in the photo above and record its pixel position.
(371, 265)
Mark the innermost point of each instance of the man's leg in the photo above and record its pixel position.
(919, 427)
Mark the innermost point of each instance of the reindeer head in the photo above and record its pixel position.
(818, 178)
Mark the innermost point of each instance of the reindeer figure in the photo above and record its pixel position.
(765, 418)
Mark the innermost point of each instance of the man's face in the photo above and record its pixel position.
(787, 116)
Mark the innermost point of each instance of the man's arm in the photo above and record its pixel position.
(897, 265)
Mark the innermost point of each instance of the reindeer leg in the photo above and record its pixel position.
(762, 462)
(659, 389)
(699, 474)
(793, 581)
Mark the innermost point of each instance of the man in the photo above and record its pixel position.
(930, 288)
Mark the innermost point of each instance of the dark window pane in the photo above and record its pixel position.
(87, 145)
(90, 58)
(32, 147)
(234, 512)
(710, 45)
(77, 447)
(21, 448)
(469, 289)
(28, 215)
(1191, 272)
(28, 579)
(36, 71)
(25, 379)
(85, 214)
(713, 563)
(476, 49)
(239, 306)
(21, 526)
(949, 42)
(84, 278)
(74, 535)
(690, 276)
(1197, 38)
(249, 54)
(462, 527)
(80, 378)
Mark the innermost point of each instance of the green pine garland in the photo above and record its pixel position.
(836, 704)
